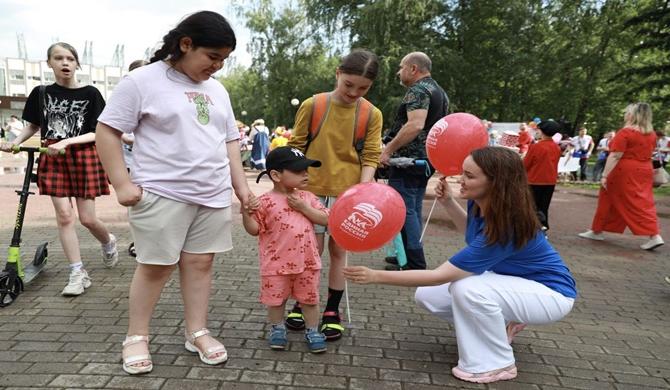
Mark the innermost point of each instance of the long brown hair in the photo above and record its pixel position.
(511, 214)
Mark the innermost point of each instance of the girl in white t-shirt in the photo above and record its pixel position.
(186, 163)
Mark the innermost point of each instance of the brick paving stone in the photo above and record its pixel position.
(80, 381)
(626, 386)
(14, 367)
(366, 384)
(320, 381)
(220, 373)
(135, 382)
(265, 377)
(352, 371)
(191, 384)
(585, 384)
(404, 376)
(25, 380)
(55, 368)
(641, 380)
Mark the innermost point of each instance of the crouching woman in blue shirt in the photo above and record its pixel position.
(507, 276)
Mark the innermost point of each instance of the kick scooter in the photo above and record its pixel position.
(16, 275)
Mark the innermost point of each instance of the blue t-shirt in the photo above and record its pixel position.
(537, 260)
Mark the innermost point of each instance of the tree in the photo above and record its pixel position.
(649, 76)
(289, 61)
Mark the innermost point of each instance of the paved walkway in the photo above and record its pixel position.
(617, 337)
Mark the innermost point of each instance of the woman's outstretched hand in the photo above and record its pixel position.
(360, 274)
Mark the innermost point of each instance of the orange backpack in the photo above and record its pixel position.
(320, 108)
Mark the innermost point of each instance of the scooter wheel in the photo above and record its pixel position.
(11, 286)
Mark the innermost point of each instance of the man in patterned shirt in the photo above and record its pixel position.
(424, 103)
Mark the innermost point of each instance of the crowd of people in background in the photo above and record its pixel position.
(590, 155)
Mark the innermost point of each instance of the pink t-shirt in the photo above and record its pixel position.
(286, 238)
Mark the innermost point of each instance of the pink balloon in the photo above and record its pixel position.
(557, 137)
(366, 216)
(452, 138)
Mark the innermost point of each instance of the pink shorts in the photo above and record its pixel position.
(303, 287)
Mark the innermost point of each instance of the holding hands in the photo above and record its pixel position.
(252, 204)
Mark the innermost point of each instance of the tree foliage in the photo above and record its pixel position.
(579, 60)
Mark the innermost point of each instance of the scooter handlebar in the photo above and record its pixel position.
(17, 149)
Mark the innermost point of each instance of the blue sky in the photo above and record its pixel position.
(136, 24)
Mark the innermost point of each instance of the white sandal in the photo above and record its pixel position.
(205, 356)
(130, 360)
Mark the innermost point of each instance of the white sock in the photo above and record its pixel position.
(76, 266)
(109, 246)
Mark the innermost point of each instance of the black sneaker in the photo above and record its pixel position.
(391, 260)
(295, 319)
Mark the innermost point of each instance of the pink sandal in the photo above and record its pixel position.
(501, 374)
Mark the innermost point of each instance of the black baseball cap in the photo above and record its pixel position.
(549, 127)
(286, 157)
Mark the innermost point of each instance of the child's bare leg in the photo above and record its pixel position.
(276, 314)
(311, 313)
(65, 220)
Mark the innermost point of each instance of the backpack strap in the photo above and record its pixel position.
(363, 115)
(320, 109)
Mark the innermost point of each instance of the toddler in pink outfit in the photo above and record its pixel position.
(283, 219)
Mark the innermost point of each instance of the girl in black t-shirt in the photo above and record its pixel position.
(66, 114)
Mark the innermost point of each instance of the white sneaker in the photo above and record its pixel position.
(79, 281)
(591, 235)
(653, 243)
(110, 255)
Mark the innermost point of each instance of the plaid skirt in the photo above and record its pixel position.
(78, 173)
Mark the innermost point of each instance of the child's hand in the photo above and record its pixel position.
(252, 204)
(129, 195)
(442, 190)
(295, 202)
(360, 274)
(6, 146)
(54, 149)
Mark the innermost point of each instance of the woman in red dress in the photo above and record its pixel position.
(626, 198)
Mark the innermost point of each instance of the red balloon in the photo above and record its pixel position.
(366, 216)
(452, 138)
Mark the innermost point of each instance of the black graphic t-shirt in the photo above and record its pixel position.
(67, 112)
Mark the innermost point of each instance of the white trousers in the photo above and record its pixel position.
(480, 306)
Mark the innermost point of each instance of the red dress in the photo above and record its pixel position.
(628, 200)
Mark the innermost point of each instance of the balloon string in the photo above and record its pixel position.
(346, 291)
(428, 220)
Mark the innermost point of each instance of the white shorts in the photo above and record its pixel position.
(163, 228)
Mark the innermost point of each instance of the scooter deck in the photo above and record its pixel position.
(31, 271)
